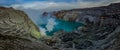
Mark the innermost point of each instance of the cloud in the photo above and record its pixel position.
(34, 9)
(35, 5)
(51, 6)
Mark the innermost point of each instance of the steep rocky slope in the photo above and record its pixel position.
(18, 32)
(101, 32)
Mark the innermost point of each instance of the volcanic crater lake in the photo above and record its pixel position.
(62, 25)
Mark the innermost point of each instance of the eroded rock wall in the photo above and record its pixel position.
(18, 32)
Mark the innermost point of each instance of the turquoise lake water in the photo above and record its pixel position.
(62, 25)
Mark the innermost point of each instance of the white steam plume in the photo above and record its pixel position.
(50, 25)
(43, 31)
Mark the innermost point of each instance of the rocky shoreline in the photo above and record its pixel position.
(101, 32)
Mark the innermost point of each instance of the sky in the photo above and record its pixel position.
(35, 7)
(54, 4)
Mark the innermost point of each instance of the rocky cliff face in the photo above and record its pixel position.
(101, 32)
(18, 32)
(93, 14)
